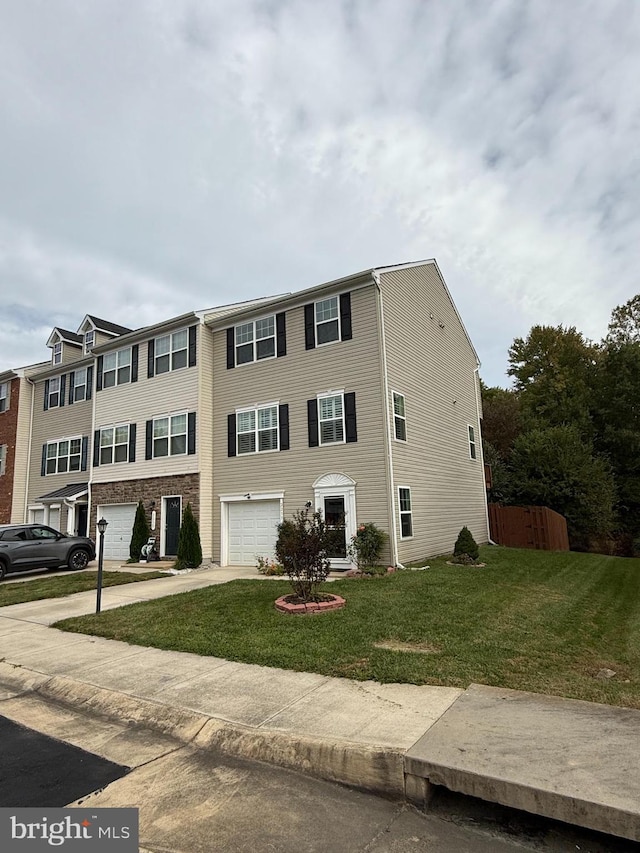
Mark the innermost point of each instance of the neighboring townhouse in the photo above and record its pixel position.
(15, 420)
(359, 397)
(62, 417)
(145, 426)
(9, 403)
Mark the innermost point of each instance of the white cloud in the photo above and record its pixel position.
(161, 156)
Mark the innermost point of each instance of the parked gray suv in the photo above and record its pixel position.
(36, 546)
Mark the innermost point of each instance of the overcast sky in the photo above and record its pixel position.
(158, 156)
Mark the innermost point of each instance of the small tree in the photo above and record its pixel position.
(466, 548)
(189, 547)
(302, 550)
(366, 546)
(140, 534)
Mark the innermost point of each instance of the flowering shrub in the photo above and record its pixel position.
(267, 566)
(302, 550)
(366, 546)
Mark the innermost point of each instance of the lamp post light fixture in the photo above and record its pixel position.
(102, 526)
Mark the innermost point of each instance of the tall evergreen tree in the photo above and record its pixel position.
(140, 533)
(189, 548)
(556, 467)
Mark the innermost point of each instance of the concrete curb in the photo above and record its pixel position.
(375, 769)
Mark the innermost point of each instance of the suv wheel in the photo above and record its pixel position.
(78, 559)
(3, 570)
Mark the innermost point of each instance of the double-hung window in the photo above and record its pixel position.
(472, 442)
(53, 394)
(399, 417)
(4, 396)
(406, 514)
(3, 459)
(116, 368)
(79, 384)
(327, 319)
(255, 340)
(170, 435)
(114, 444)
(63, 456)
(89, 341)
(170, 352)
(331, 419)
(57, 353)
(257, 429)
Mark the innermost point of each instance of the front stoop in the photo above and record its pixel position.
(560, 758)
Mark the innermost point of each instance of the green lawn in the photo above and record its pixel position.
(56, 587)
(530, 620)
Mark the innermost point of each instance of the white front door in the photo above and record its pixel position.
(335, 498)
(252, 530)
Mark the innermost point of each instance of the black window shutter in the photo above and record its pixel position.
(283, 421)
(231, 435)
(72, 377)
(192, 345)
(89, 382)
(99, 373)
(151, 351)
(83, 458)
(63, 385)
(148, 444)
(191, 433)
(309, 327)
(312, 419)
(132, 442)
(46, 394)
(231, 348)
(281, 334)
(134, 363)
(96, 448)
(345, 316)
(350, 416)
(43, 464)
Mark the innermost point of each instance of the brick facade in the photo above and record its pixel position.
(8, 430)
(148, 490)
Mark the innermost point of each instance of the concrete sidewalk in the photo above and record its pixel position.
(569, 760)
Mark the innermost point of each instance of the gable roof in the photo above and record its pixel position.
(66, 336)
(105, 325)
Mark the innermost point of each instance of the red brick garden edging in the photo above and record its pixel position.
(335, 602)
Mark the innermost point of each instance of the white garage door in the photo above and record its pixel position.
(252, 531)
(117, 536)
(54, 519)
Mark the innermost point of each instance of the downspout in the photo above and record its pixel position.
(390, 474)
(486, 506)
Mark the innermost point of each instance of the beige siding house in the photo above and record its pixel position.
(145, 427)
(358, 397)
(151, 433)
(61, 420)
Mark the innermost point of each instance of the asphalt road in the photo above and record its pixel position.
(40, 771)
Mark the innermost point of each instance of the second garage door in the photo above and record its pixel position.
(117, 536)
(252, 531)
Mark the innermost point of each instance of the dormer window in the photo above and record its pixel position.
(89, 341)
(57, 353)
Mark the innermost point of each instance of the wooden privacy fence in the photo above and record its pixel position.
(528, 527)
